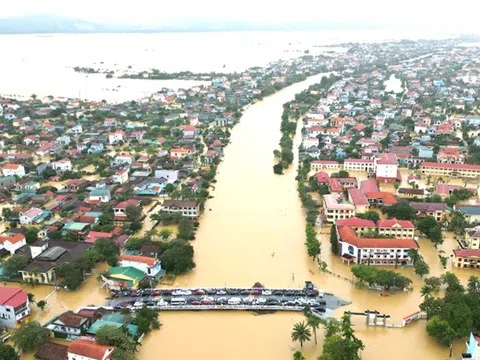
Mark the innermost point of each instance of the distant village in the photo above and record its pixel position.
(88, 182)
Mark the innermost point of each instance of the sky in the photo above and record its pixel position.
(456, 15)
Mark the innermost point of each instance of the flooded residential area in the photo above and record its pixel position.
(241, 210)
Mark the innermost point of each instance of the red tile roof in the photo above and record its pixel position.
(349, 235)
(89, 349)
(12, 296)
(388, 198)
(387, 159)
(357, 196)
(137, 258)
(393, 222)
(355, 222)
(437, 165)
(369, 186)
(467, 253)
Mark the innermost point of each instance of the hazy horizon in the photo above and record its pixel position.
(150, 13)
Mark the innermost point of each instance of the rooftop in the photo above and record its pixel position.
(349, 236)
(12, 296)
(89, 349)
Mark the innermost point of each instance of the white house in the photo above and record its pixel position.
(170, 175)
(309, 142)
(14, 306)
(100, 194)
(62, 165)
(30, 216)
(77, 129)
(12, 243)
(63, 140)
(189, 209)
(124, 159)
(13, 169)
(89, 350)
(116, 137)
(121, 176)
(148, 265)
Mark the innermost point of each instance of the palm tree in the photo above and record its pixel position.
(314, 323)
(298, 356)
(426, 291)
(301, 333)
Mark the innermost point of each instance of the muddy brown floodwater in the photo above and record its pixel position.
(253, 230)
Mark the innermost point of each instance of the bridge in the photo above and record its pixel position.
(250, 299)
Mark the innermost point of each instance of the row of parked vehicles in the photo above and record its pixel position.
(185, 292)
(210, 301)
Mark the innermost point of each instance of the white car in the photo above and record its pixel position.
(221, 292)
(182, 293)
(138, 304)
(247, 300)
(162, 303)
(266, 293)
(260, 301)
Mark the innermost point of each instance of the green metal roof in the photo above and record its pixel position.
(118, 318)
(78, 226)
(127, 271)
(93, 329)
(100, 192)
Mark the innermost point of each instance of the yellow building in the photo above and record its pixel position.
(472, 238)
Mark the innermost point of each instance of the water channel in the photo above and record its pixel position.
(253, 230)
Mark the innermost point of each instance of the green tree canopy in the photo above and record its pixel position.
(185, 229)
(178, 258)
(301, 333)
(401, 210)
(29, 336)
(14, 264)
(8, 353)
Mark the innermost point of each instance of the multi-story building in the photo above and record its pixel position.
(466, 258)
(317, 165)
(150, 266)
(450, 155)
(13, 169)
(367, 165)
(337, 207)
(437, 210)
(14, 307)
(399, 229)
(62, 165)
(386, 167)
(69, 325)
(472, 238)
(453, 170)
(470, 212)
(375, 251)
(473, 348)
(12, 243)
(189, 209)
(361, 226)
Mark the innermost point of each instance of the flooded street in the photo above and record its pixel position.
(255, 232)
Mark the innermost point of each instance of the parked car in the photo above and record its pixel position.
(156, 293)
(221, 292)
(196, 302)
(255, 292)
(266, 293)
(199, 292)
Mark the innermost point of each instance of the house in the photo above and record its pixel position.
(110, 122)
(63, 140)
(14, 307)
(75, 185)
(51, 351)
(380, 198)
(89, 350)
(170, 175)
(410, 193)
(100, 195)
(116, 137)
(13, 170)
(124, 159)
(449, 155)
(399, 229)
(121, 176)
(138, 135)
(179, 153)
(473, 348)
(96, 147)
(470, 212)
(32, 216)
(92, 236)
(77, 129)
(337, 207)
(437, 210)
(119, 210)
(189, 131)
(12, 243)
(47, 255)
(466, 258)
(121, 277)
(78, 228)
(472, 238)
(69, 326)
(189, 209)
(30, 140)
(62, 165)
(48, 148)
(358, 199)
(375, 251)
(150, 266)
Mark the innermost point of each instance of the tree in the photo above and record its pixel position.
(165, 234)
(146, 319)
(107, 249)
(178, 258)
(31, 236)
(29, 336)
(14, 264)
(135, 226)
(369, 215)
(42, 304)
(313, 245)
(133, 212)
(31, 297)
(185, 229)
(340, 341)
(401, 210)
(334, 241)
(314, 323)
(278, 169)
(301, 333)
(113, 336)
(430, 227)
(441, 330)
(298, 356)
(8, 353)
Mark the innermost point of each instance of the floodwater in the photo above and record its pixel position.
(255, 232)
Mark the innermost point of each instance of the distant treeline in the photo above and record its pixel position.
(155, 74)
(89, 70)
